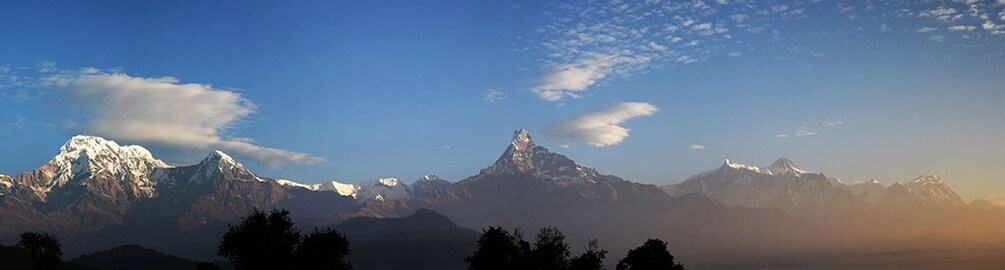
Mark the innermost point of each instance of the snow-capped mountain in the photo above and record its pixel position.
(384, 189)
(6, 183)
(89, 162)
(378, 190)
(427, 184)
(524, 156)
(343, 189)
(784, 185)
(931, 188)
(780, 185)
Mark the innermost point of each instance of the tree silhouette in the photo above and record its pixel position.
(591, 259)
(497, 249)
(44, 248)
(653, 255)
(500, 249)
(550, 250)
(33, 251)
(323, 249)
(270, 241)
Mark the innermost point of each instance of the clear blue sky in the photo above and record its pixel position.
(358, 90)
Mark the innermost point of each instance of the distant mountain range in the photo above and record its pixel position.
(96, 194)
(785, 186)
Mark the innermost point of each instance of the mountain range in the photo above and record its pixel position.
(96, 194)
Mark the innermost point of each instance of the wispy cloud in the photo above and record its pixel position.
(602, 127)
(803, 132)
(566, 80)
(14, 124)
(833, 123)
(696, 147)
(493, 95)
(165, 111)
(587, 43)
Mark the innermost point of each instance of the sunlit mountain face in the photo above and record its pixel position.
(801, 134)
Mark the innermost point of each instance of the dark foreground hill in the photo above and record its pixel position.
(132, 257)
(424, 240)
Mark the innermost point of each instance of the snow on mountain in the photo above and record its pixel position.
(871, 191)
(931, 188)
(428, 183)
(383, 189)
(288, 183)
(86, 157)
(6, 183)
(380, 189)
(785, 185)
(784, 166)
(524, 156)
(341, 188)
(781, 185)
(218, 165)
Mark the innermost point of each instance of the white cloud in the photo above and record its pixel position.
(781, 135)
(566, 80)
(926, 29)
(833, 123)
(696, 147)
(165, 111)
(885, 28)
(958, 28)
(601, 128)
(493, 95)
(803, 132)
(446, 147)
(46, 67)
(589, 43)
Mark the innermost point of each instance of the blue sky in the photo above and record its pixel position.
(650, 91)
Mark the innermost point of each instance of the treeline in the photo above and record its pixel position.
(271, 241)
(498, 249)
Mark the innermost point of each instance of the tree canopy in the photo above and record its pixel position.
(270, 241)
(34, 251)
(652, 255)
(499, 249)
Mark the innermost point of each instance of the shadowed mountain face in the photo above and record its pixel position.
(423, 240)
(861, 217)
(530, 187)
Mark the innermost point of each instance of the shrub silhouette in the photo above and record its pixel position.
(499, 249)
(270, 241)
(33, 251)
(653, 255)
